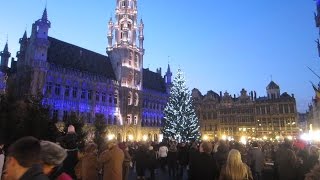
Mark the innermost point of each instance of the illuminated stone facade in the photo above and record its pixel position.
(76, 80)
(246, 115)
(314, 107)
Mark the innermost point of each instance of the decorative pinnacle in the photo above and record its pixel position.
(25, 35)
(6, 49)
(45, 14)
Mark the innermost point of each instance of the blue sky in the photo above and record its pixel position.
(220, 45)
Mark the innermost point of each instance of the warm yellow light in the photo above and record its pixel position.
(290, 137)
(130, 137)
(265, 138)
(243, 140)
(277, 137)
(205, 137)
(160, 137)
(144, 137)
(110, 137)
(224, 137)
(244, 129)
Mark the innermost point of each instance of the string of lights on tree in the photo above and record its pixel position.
(180, 120)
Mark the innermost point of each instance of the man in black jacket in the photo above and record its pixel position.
(23, 160)
(203, 165)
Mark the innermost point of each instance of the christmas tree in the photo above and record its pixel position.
(180, 120)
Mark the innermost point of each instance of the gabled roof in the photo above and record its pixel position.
(71, 56)
(153, 81)
(273, 85)
(285, 95)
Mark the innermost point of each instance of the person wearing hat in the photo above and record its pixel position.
(70, 143)
(52, 155)
(111, 160)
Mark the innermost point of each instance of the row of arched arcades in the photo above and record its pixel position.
(122, 135)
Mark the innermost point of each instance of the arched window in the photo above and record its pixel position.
(136, 99)
(115, 97)
(136, 60)
(129, 119)
(123, 3)
(135, 120)
(130, 98)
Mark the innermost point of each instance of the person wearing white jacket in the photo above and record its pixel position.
(163, 153)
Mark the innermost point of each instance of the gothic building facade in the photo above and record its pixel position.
(246, 115)
(76, 80)
(314, 107)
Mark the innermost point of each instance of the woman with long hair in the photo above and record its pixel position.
(235, 169)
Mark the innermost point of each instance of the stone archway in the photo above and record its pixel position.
(119, 137)
(130, 135)
(150, 137)
(155, 137)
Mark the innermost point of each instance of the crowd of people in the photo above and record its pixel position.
(31, 159)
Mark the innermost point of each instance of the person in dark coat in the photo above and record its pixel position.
(256, 161)
(183, 158)
(69, 142)
(24, 160)
(313, 158)
(221, 156)
(172, 159)
(193, 153)
(204, 166)
(287, 162)
(141, 161)
(152, 161)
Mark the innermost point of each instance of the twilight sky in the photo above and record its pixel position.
(220, 45)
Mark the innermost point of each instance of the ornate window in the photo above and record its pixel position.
(136, 99)
(123, 3)
(83, 94)
(136, 60)
(74, 92)
(110, 98)
(135, 120)
(130, 98)
(129, 120)
(116, 97)
(103, 97)
(97, 96)
(49, 88)
(90, 94)
(57, 89)
(129, 60)
(67, 91)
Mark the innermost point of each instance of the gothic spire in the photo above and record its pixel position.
(45, 14)
(24, 35)
(168, 70)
